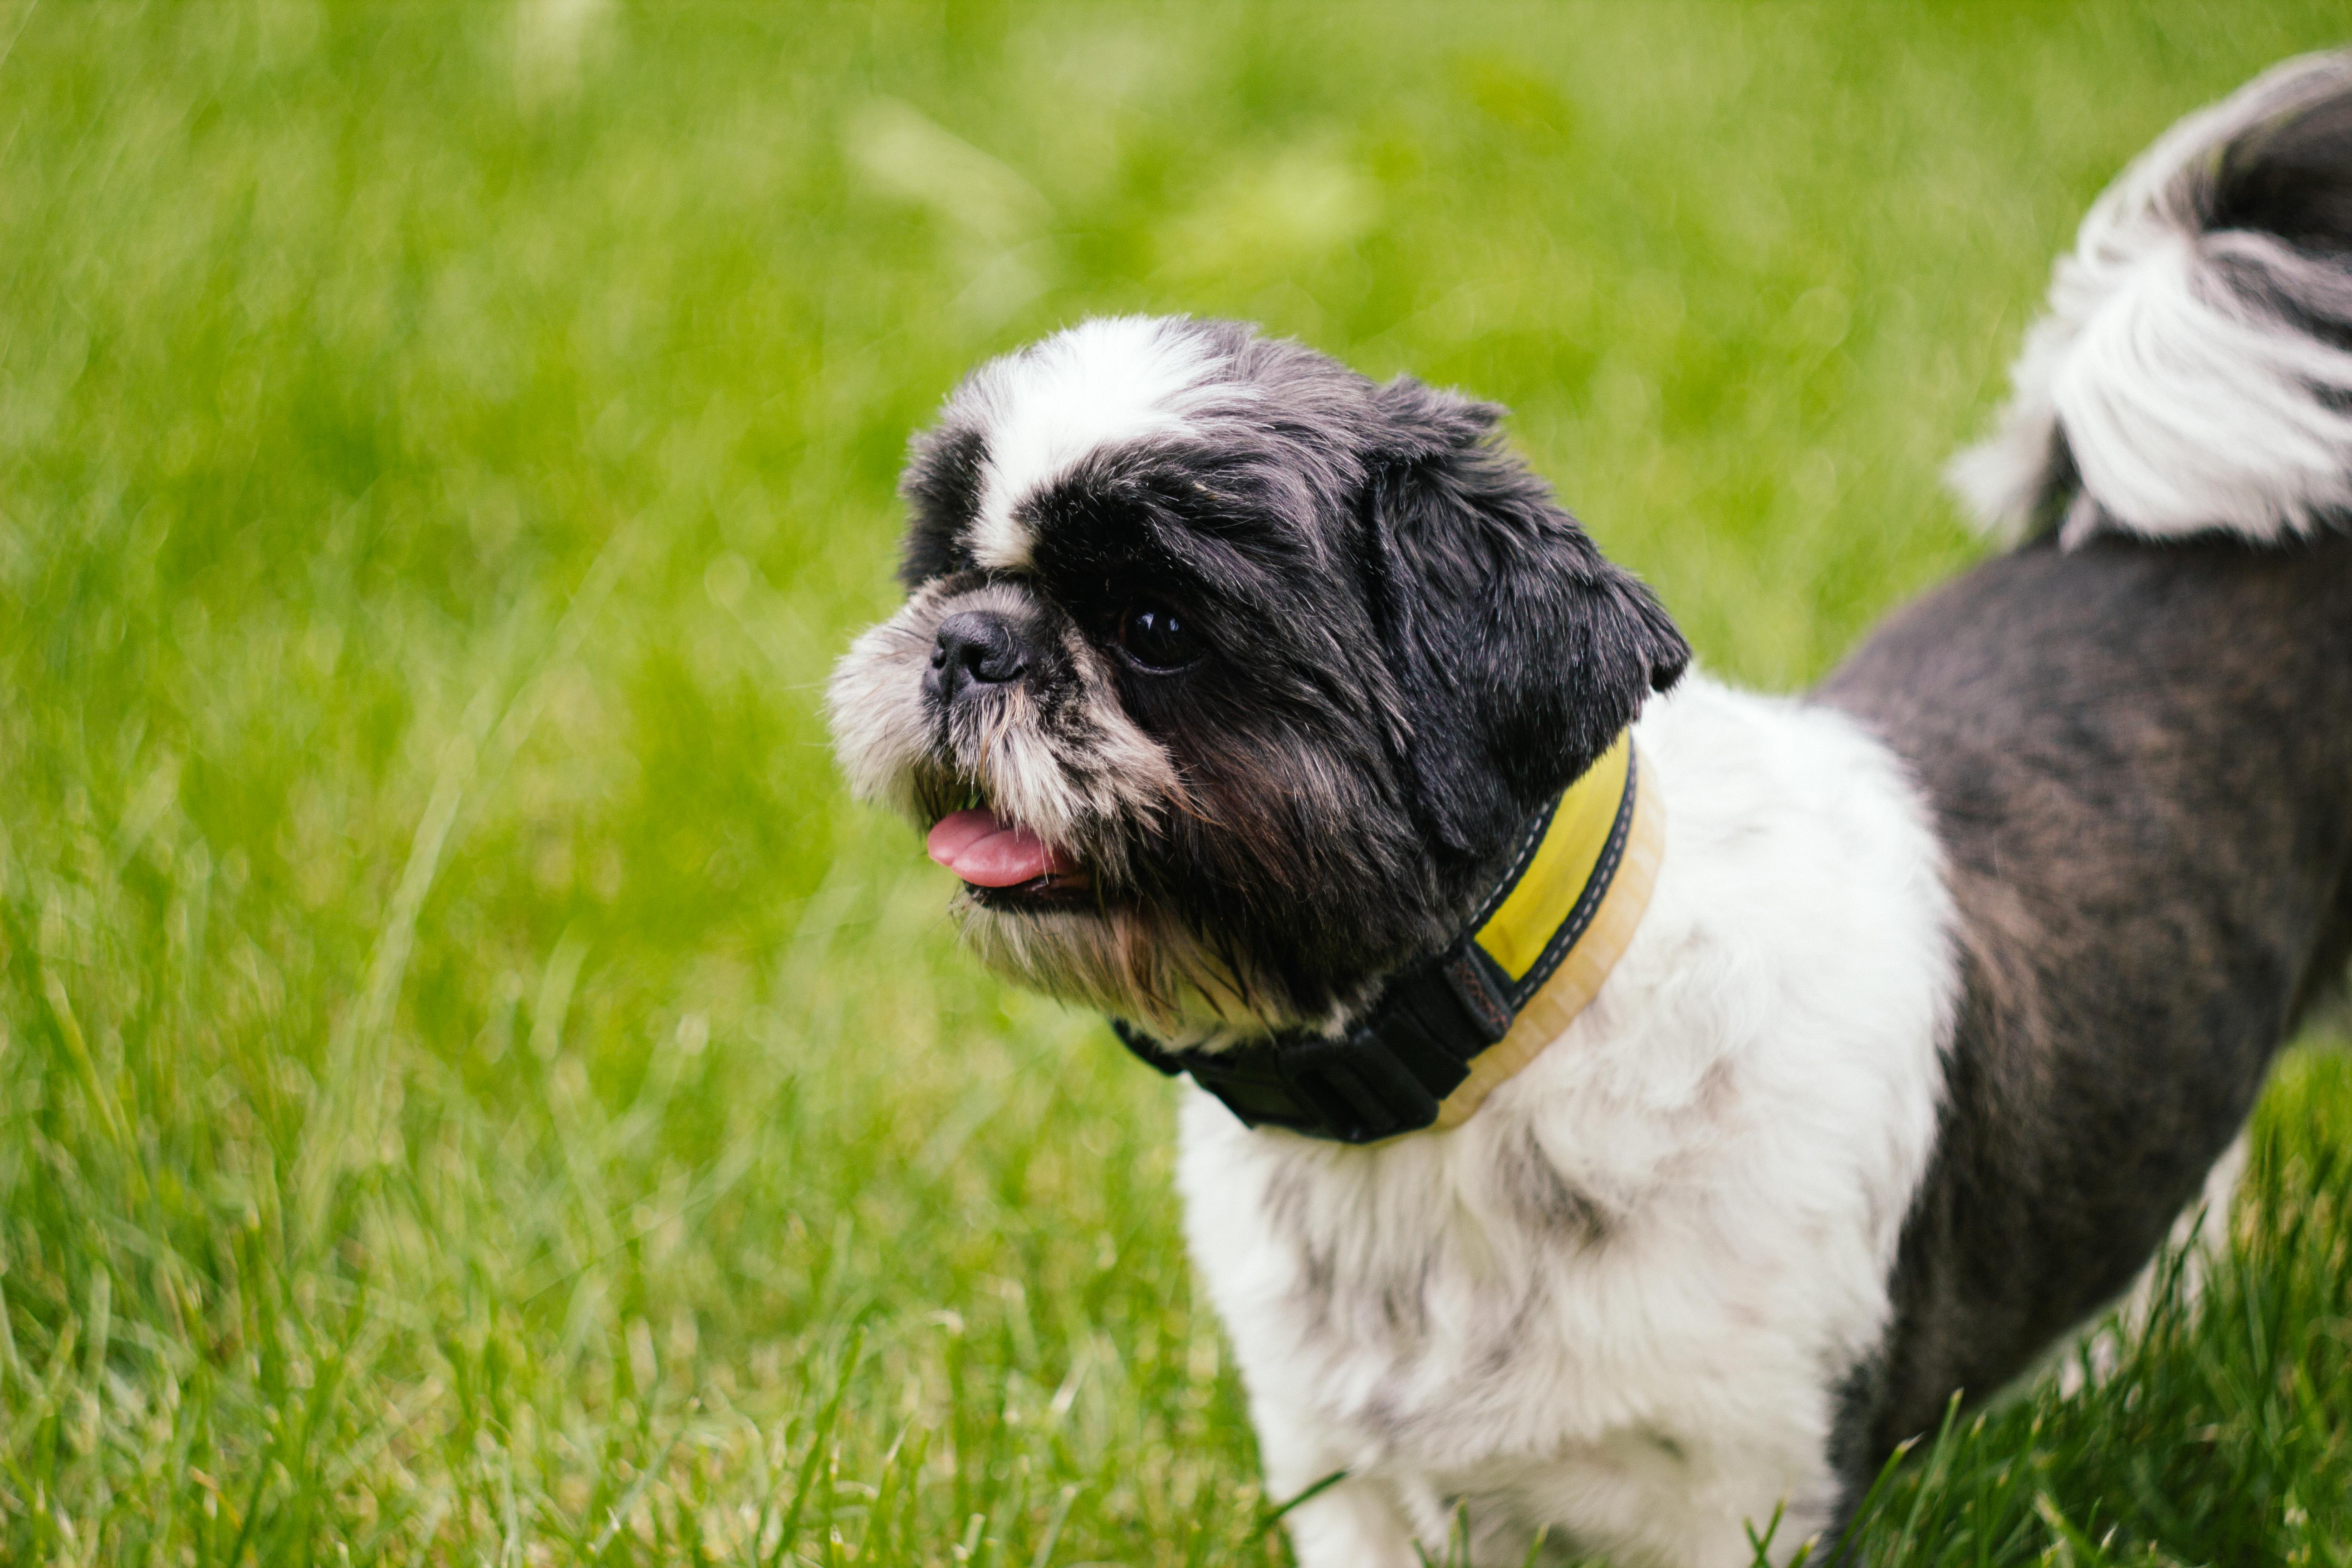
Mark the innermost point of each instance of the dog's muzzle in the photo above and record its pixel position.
(975, 649)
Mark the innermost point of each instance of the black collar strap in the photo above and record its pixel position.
(1447, 1031)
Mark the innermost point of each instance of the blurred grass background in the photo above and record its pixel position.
(472, 1091)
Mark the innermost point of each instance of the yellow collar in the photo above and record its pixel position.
(1567, 918)
(1445, 1033)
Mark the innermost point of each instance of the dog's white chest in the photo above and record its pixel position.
(1625, 1291)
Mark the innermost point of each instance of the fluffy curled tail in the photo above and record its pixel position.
(2194, 373)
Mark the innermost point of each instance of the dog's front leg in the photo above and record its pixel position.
(1354, 1524)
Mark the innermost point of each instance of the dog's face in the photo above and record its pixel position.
(1225, 675)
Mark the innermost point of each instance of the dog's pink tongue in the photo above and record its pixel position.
(989, 852)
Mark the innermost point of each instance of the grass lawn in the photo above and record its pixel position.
(473, 1091)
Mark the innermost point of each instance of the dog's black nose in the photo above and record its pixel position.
(974, 647)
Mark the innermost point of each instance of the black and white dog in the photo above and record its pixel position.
(1628, 1106)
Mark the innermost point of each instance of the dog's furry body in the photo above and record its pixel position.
(1956, 980)
(1619, 1299)
(2140, 761)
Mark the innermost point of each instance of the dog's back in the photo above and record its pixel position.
(2135, 732)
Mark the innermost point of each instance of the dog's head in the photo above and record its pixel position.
(1226, 676)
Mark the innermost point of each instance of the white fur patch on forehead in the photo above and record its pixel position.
(1102, 382)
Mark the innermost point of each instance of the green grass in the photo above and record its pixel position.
(471, 1088)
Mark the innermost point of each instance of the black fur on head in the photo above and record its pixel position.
(1394, 647)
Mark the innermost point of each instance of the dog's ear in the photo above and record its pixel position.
(1520, 651)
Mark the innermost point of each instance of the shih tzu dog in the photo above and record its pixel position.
(1624, 1107)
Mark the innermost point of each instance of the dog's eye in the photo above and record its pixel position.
(1154, 637)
